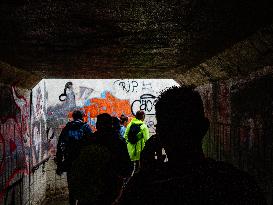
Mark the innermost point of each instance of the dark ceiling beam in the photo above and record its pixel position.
(252, 56)
(57, 35)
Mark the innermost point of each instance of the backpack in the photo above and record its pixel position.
(72, 143)
(132, 135)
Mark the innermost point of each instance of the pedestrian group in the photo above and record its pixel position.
(121, 164)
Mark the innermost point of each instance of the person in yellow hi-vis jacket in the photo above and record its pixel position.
(136, 135)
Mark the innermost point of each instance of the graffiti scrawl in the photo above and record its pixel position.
(146, 103)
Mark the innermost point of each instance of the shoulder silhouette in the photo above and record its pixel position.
(101, 166)
(188, 177)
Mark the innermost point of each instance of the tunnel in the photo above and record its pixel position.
(116, 57)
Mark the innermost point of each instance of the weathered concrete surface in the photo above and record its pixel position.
(115, 38)
(192, 41)
(252, 56)
(11, 75)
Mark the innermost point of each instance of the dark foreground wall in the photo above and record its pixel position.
(241, 115)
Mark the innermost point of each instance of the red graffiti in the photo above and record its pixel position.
(9, 181)
(13, 137)
(3, 152)
(12, 146)
(224, 103)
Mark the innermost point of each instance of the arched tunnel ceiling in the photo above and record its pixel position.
(94, 39)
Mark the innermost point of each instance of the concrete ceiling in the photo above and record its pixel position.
(135, 38)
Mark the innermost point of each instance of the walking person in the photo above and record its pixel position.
(102, 165)
(188, 177)
(136, 135)
(123, 124)
(74, 136)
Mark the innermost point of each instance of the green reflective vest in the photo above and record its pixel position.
(134, 150)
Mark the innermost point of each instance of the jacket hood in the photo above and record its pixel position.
(136, 121)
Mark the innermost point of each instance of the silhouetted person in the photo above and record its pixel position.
(188, 177)
(116, 125)
(102, 165)
(136, 135)
(74, 136)
(123, 124)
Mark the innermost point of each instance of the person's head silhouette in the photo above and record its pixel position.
(116, 124)
(104, 122)
(140, 115)
(181, 123)
(77, 115)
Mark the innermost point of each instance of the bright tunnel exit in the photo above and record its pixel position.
(95, 96)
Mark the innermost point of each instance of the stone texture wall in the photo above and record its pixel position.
(18, 183)
(43, 142)
(25, 144)
(14, 145)
(241, 116)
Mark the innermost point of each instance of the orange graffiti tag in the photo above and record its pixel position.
(110, 104)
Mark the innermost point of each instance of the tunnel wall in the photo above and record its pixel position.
(26, 144)
(241, 116)
(14, 144)
(240, 112)
(18, 183)
(43, 140)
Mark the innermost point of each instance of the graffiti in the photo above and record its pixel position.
(12, 192)
(224, 103)
(68, 95)
(126, 85)
(39, 144)
(2, 151)
(150, 121)
(206, 94)
(50, 133)
(106, 104)
(85, 94)
(109, 104)
(122, 97)
(14, 139)
(146, 103)
(43, 144)
(147, 87)
(39, 104)
(58, 113)
(23, 106)
(51, 141)
(36, 142)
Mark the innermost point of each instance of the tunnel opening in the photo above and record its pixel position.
(33, 120)
(240, 114)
